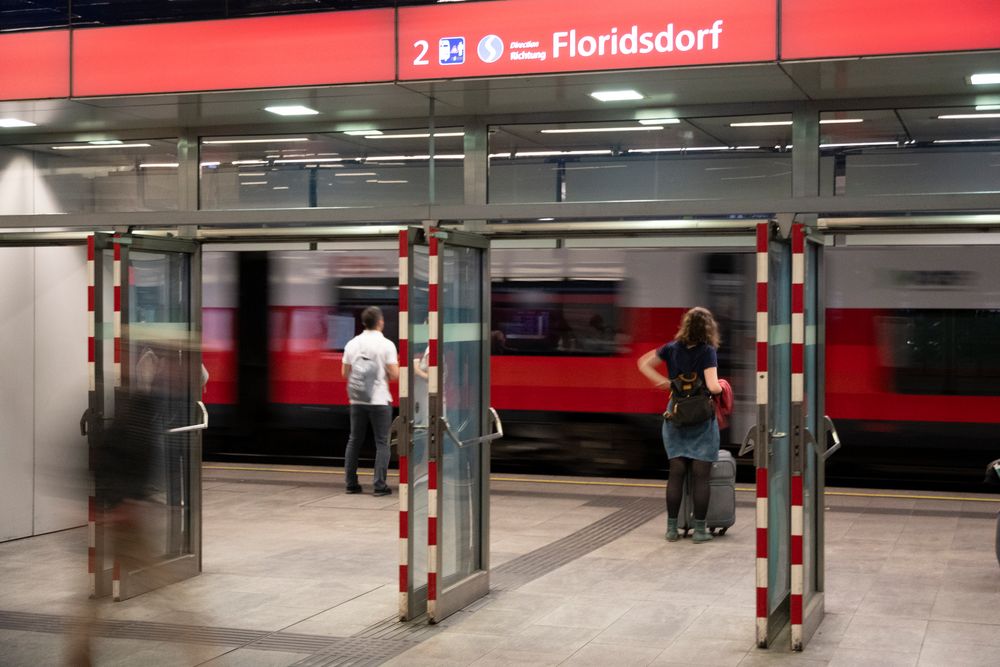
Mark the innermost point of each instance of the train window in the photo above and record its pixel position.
(945, 352)
(556, 318)
(351, 297)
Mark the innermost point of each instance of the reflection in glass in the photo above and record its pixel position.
(462, 350)
(779, 395)
(418, 336)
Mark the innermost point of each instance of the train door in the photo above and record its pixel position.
(146, 416)
(770, 435)
(810, 429)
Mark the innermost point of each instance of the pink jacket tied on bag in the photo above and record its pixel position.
(724, 404)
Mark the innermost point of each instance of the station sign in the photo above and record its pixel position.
(231, 54)
(515, 37)
(34, 65)
(842, 28)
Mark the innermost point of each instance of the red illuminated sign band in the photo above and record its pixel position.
(494, 39)
(34, 65)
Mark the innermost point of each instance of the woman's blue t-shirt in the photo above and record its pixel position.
(682, 359)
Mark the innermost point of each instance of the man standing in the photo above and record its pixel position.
(369, 363)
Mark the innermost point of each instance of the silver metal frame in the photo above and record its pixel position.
(465, 592)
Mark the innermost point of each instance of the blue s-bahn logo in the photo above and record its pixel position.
(490, 49)
(451, 50)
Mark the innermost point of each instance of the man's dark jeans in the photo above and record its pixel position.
(380, 418)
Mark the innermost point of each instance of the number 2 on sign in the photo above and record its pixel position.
(421, 58)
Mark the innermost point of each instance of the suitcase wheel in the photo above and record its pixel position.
(686, 531)
(722, 531)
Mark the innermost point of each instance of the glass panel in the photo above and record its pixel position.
(325, 170)
(461, 389)
(910, 151)
(158, 362)
(810, 404)
(418, 293)
(664, 158)
(779, 395)
(90, 177)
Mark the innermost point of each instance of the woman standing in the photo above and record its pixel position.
(691, 449)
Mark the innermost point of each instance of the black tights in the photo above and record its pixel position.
(700, 471)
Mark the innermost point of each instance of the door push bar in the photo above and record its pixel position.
(201, 426)
(750, 441)
(832, 430)
(497, 434)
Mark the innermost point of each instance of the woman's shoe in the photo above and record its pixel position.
(701, 533)
(672, 535)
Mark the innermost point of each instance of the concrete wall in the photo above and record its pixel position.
(43, 390)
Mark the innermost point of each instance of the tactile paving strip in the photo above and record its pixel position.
(519, 571)
(357, 651)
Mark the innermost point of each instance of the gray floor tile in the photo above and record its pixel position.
(602, 655)
(853, 657)
(698, 649)
(884, 633)
(245, 657)
(936, 654)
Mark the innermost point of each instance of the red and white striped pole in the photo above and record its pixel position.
(92, 387)
(404, 395)
(798, 397)
(117, 320)
(763, 239)
(434, 400)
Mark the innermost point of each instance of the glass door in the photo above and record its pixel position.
(461, 422)
(413, 420)
(810, 429)
(770, 437)
(147, 450)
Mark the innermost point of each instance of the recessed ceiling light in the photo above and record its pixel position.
(985, 79)
(308, 160)
(838, 121)
(761, 123)
(356, 173)
(616, 95)
(988, 107)
(583, 130)
(659, 121)
(415, 135)
(860, 143)
(291, 110)
(968, 116)
(15, 122)
(272, 140)
(965, 141)
(159, 165)
(84, 147)
(363, 133)
(106, 142)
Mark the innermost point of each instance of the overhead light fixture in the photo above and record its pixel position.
(968, 116)
(106, 142)
(679, 149)
(308, 160)
(985, 79)
(159, 165)
(583, 130)
(356, 173)
(16, 122)
(417, 135)
(254, 183)
(860, 143)
(83, 147)
(761, 123)
(280, 187)
(839, 121)
(616, 95)
(397, 158)
(291, 110)
(659, 121)
(966, 141)
(237, 163)
(363, 133)
(988, 107)
(272, 140)
(246, 174)
(210, 164)
(554, 153)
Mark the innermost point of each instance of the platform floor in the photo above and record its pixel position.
(298, 573)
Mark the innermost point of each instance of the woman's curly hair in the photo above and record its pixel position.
(698, 326)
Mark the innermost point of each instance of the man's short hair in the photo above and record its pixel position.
(371, 316)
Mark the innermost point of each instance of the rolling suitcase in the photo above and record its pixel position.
(721, 503)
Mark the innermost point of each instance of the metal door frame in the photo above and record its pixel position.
(443, 603)
(123, 585)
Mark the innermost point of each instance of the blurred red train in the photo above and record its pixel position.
(912, 344)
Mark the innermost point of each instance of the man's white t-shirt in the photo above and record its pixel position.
(372, 344)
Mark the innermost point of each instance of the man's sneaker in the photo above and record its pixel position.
(382, 492)
(354, 489)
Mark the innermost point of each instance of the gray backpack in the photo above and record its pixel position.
(361, 382)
